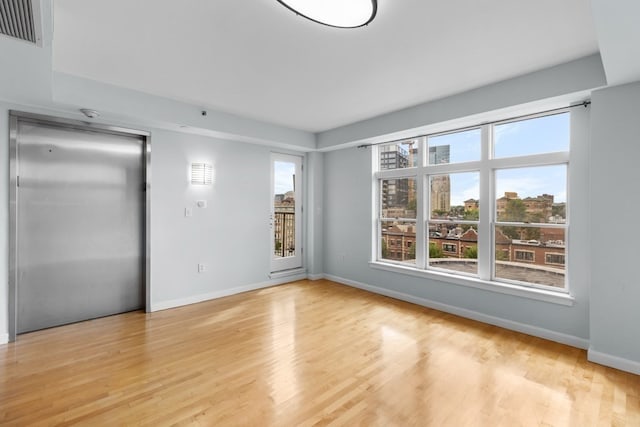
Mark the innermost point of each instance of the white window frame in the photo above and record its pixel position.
(380, 219)
(486, 166)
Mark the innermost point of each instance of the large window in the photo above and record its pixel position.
(488, 202)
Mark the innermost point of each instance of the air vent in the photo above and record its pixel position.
(16, 19)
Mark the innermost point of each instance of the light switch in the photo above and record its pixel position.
(188, 212)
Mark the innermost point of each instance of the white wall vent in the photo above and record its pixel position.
(20, 19)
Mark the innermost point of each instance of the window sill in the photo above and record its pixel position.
(561, 298)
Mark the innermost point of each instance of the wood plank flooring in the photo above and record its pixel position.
(305, 354)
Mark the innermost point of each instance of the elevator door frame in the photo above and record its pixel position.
(14, 117)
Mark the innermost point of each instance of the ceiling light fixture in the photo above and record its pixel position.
(335, 13)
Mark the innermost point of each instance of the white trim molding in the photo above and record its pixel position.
(164, 305)
(613, 361)
(4, 338)
(315, 276)
(535, 331)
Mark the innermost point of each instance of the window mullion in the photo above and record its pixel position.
(485, 233)
(376, 249)
(427, 215)
(420, 206)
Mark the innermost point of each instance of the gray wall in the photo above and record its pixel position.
(230, 236)
(314, 174)
(26, 68)
(615, 289)
(122, 105)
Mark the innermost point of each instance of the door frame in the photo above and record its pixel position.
(296, 261)
(14, 117)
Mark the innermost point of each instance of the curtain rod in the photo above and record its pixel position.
(584, 104)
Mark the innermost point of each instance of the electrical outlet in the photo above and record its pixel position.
(201, 268)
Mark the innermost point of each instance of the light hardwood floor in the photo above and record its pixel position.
(305, 354)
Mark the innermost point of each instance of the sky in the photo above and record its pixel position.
(283, 173)
(534, 136)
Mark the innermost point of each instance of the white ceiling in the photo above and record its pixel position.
(257, 59)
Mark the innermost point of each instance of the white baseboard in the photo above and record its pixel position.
(613, 361)
(469, 314)
(4, 338)
(315, 276)
(164, 305)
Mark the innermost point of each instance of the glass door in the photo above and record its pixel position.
(286, 212)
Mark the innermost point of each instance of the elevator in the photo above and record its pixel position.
(77, 221)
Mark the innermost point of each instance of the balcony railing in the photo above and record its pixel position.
(285, 234)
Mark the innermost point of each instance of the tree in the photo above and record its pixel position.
(515, 211)
(457, 210)
(471, 215)
(531, 233)
(385, 251)
(471, 252)
(535, 217)
(439, 213)
(412, 251)
(524, 233)
(502, 255)
(559, 209)
(511, 232)
(434, 251)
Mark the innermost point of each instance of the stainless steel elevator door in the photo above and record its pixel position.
(80, 224)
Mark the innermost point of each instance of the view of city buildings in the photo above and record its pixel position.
(440, 184)
(524, 252)
(284, 224)
(399, 192)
